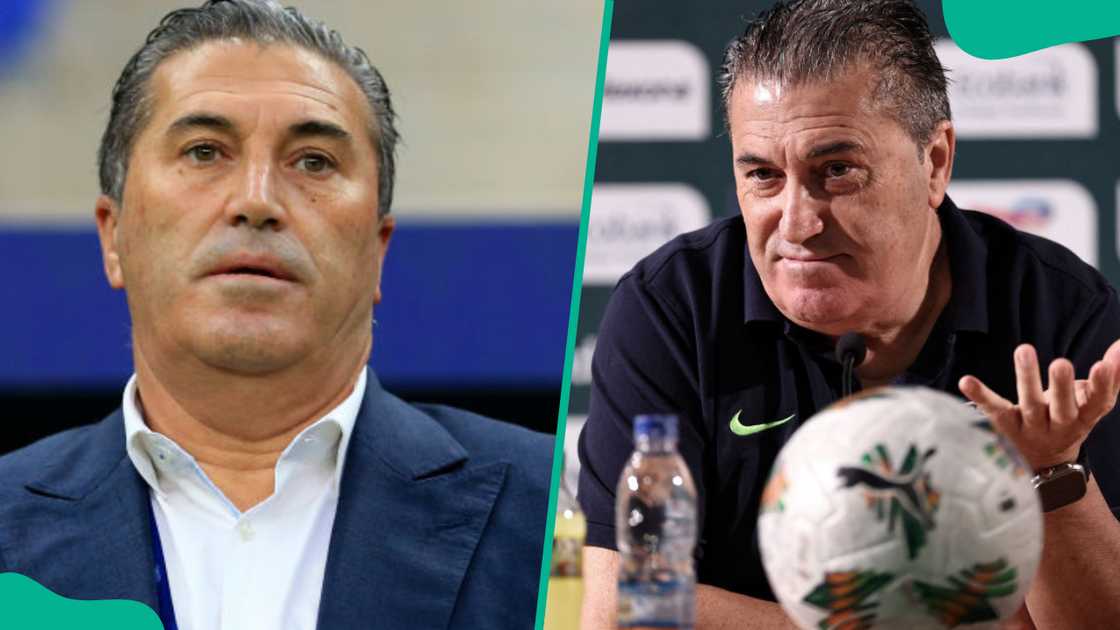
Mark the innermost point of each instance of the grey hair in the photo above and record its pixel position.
(813, 40)
(261, 21)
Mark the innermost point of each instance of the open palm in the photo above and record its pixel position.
(1048, 426)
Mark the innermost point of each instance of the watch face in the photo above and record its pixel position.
(1064, 487)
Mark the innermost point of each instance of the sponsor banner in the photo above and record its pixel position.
(1051, 93)
(1061, 210)
(629, 221)
(655, 90)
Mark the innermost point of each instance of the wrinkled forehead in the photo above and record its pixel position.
(844, 108)
(282, 80)
(853, 88)
(768, 102)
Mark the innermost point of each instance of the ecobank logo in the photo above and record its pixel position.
(1051, 93)
(655, 90)
(629, 221)
(1061, 210)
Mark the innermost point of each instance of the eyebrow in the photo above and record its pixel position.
(841, 146)
(204, 120)
(750, 158)
(303, 129)
(832, 148)
(318, 128)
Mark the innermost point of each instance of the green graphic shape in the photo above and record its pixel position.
(998, 29)
(28, 605)
(1001, 450)
(845, 596)
(573, 312)
(965, 600)
(739, 428)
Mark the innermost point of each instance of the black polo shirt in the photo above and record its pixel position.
(690, 330)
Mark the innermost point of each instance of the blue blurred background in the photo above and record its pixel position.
(494, 101)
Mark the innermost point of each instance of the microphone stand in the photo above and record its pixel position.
(851, 350)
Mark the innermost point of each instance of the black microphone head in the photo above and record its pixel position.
(851, 344)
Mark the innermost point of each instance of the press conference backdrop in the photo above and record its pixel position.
(494, 100)
(1038, 139)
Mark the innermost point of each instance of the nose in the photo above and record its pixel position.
(254, 202)
(801, 215)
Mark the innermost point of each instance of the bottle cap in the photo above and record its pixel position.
(657, 427)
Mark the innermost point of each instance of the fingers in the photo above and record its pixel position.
(1102, 390)
(1081, 392)
(1112, 355)
(1103, 385)
(1112, 358)
(1032, 400)
(996, 407)
(1063, 398)
(979, 393)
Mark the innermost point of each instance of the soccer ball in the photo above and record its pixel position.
(899, 508)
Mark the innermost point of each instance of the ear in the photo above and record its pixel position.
(939, 154)
(108, 214)
(384, 234)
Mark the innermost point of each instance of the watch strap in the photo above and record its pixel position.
(1061, 485)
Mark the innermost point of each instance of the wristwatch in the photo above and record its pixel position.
(1060, 485)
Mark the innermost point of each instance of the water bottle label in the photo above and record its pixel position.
(656, 604)
(567, 558)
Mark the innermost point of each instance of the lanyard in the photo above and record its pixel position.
(163, 582)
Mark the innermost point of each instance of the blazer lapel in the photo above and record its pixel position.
(411, 511)
(97, 510)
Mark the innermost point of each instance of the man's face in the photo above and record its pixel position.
(249, 238)
(838, 207)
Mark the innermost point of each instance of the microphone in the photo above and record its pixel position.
(851, 350)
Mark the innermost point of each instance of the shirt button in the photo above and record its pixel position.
(245, 529)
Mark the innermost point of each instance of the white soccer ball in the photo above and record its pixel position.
(899, 508)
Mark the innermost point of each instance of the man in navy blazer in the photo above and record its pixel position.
(257, 475)
(439, 525)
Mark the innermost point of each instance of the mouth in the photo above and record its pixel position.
(811, 259)
(817, 267)
(253, 270)
(248, 271)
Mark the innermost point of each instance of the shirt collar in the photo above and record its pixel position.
(145, 447)
(967, 309)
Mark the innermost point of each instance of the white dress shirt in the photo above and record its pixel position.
(233, 570)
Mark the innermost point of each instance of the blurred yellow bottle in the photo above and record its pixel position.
(565, 582)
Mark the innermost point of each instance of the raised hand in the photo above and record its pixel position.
(1048, 426)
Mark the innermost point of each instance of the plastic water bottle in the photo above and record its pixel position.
(655, 521)
(565, 582)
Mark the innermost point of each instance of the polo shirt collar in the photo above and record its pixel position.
(967, 309)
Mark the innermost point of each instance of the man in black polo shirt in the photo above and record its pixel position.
(842, 151)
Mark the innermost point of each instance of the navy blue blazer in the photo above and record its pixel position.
(440, 519)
